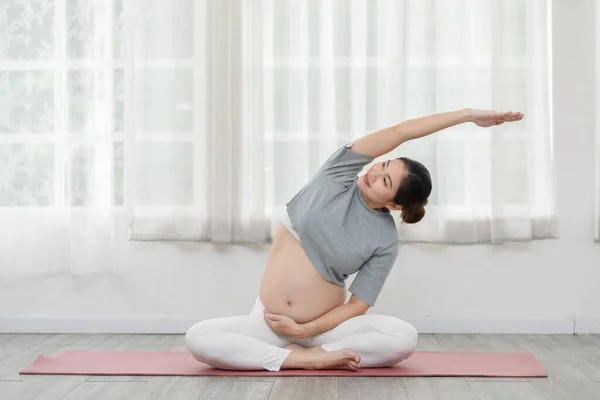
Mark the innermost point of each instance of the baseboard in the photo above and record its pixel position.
(493, 325)
(101, 324)
(587, 325)
(179, 325)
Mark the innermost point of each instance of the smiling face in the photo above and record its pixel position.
(381, 182)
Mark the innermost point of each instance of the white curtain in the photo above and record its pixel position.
(196, 161)
(198, 120)
(273, 87)
(61, 137)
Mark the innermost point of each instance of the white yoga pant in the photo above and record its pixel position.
(246, 342)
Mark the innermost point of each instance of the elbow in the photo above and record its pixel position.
(401, 132)
(363, 310)
(359, 307)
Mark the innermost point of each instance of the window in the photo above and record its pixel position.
(61, 105)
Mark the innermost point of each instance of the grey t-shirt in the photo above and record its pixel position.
(340, 233)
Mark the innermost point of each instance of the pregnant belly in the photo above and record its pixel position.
(292, 286)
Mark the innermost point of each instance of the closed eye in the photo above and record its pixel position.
(388, 176)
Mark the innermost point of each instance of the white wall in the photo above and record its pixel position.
(533, 287)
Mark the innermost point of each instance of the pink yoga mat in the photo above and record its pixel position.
(424, 363)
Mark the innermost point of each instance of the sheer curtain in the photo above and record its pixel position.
(195, 160)
(337, 69)
(198, 120)
(272, 87)
(61, 175)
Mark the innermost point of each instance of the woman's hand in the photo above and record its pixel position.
(284, 326)
(487, 118)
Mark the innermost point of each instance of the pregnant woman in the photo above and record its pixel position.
(336, 225)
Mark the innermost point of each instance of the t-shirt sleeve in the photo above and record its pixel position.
(344, 164)
(372, 275)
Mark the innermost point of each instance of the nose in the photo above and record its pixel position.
(374, 175)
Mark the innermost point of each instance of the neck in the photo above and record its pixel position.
(373, 205)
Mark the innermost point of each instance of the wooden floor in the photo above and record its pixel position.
(572, 362)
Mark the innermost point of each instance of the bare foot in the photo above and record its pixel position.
(317, 358)
(341, 359)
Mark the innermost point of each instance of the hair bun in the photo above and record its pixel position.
(413, 214)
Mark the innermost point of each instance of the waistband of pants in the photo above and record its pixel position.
(258, 307)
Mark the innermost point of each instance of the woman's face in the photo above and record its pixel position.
(380, 183)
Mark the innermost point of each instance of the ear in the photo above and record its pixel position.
(394, 207)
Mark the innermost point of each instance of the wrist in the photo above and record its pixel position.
(304, 330)
(467, 114)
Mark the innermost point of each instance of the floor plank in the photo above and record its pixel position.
(237, 390)
(568, 340)
(230, 379)
(585, 359)
(40, 387)
(449, 342)
(19, 343)
(592, 339)
(10, 389)
(428, 343)
(534, 344)
(566, 381)
(467, 342)
(300, 387)
(438, 389)
(104, 391)
(417, 388)
(6, 337)
(360, 388)
(507, 391)
(170, 388)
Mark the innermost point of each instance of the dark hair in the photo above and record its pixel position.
(414, 191)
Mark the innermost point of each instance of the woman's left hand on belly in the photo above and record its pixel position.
(284, 325)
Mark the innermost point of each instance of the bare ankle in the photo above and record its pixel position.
(317, 349)
(319, 358)
(300, 358)
(294, 346)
